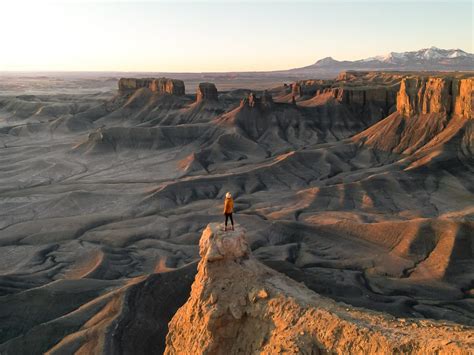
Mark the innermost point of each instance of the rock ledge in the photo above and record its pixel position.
(217, 244)
(240, 306)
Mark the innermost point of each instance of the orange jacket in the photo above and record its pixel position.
(228, 205)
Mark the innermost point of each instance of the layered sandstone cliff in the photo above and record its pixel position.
(431, 112)
(159, 85)
(373, 96)
(463, 92)
(369, 100)
(310, 87)
(442, 95)
(239, 306)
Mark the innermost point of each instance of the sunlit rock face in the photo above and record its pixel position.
(160, 85)
(216, 244)
(239, 306)
(206, 91)
(430, 111)
(383, 93)
(424, 95)
(463, 97)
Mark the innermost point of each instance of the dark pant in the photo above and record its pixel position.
(227, 216)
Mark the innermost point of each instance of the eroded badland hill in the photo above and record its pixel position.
(359, 190)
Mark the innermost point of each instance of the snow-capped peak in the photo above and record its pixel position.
(388, 58)
(458, 53)
(432, 58)
(430, 53)
(426, 54)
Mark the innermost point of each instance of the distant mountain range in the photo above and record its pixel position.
(429, 59)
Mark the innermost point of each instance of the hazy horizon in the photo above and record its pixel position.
(161, 36)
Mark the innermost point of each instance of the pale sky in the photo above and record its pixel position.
(185, 36)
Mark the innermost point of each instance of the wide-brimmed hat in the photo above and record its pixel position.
(228, 195)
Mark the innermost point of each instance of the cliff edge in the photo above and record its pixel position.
(156, 85)
(238, 305)
(430, 112)
(424, 95)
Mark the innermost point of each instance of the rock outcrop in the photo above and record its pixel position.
(369, 102)
(440, 95)
(430, 111)
(310, 87)
(424, 95)
(373, 96)
(215, 246)
(463, 97)
(159, 85)
(206, 91)
(265, 101)
(372, 100)
(239, 306)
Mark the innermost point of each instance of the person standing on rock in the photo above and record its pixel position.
(228, 209)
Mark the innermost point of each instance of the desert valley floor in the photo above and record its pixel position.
(361, 187)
